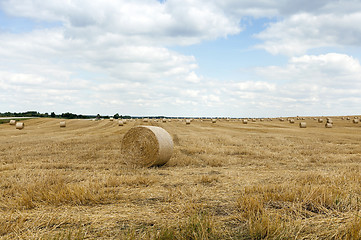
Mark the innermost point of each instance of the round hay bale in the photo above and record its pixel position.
(328, 125)
(145, 119)
(12, 122)
(303, 124)
(329, 120)
(124, 121)
(120, 123)
(164, 120)
(214, 120)
(245, 121)
(62, 124)
(282, 120)
(261, 119)
(253, 120)
(347, 118)
(188, 121)
(292, 121)
(355, 121)
(111, 119)
(19, 125)
(320, 120)
(147, 146)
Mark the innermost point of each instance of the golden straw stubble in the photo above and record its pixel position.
(147, 146)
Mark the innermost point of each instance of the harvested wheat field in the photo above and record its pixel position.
(225, 180)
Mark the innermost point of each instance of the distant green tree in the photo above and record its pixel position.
(52, 115)
(116, 116)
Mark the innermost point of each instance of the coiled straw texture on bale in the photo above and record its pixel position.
(19, 125)
(147, 146)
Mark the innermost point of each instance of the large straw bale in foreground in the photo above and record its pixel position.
(12, 122)
(62, 124)
(303, 125)
(147, 146)
(19, 125)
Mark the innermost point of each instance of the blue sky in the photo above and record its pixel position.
(226, 58)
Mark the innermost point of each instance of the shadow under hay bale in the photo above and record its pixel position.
(147, 146)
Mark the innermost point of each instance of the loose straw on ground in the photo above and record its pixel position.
(147, 146)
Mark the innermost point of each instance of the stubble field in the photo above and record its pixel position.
(226, 180)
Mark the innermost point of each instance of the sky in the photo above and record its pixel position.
(210, 58)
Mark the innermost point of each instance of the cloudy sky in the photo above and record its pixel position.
(236, 58)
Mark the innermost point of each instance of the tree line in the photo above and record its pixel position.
(66, 115)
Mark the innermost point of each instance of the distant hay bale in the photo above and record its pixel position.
(320, 120)
(282, 120)
(111, 119)
(328, 125)
(147, 146)
(214, 120)
(303, 124)
(169, 120)
(355, 120)
(12, 122)
(62, 124)
(145, 120)
(291, 121)
(329, 120)
(314, 118)
(261, 119)
(188, 121)
(347, 118)
(120, 123)
(245, 121)
(164, 120)
(124, 121)
(19, 125)
(303, 118)
(253, 120)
